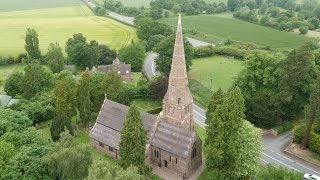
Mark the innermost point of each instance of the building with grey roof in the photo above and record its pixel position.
(172, 142)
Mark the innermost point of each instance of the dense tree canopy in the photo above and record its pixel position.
(85, 105)
(233, 145)
(11, 120)
(133, 54)
(112, 85)
(13, 84)
(146, 28)
(106, 55)
(81, 53)
(159, 86)
(68, 160)
(216, 99)
(165, 51)
(259, 85)
(296, 79)
(36, 79)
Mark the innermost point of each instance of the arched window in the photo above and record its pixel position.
(179, 100)
(194, 151)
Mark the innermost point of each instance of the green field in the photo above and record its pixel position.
(6, 71)
(57, 25)
(18, 5)
(223, 71)
(215, 28)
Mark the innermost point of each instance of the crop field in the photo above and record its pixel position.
(222, 70)
(215, 28)
(57, 25)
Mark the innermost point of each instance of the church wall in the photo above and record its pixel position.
(105, 149)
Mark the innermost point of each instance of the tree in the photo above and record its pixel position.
(106, 170)
(27, 164)
(296, 80)
(11, 120)
(153, 41)
(216, 99)
(13, 84)
(55, 58)
(6, 152)
(156, 13)
(316, 11)
(85, 105)
(36, 79)
(146, 27)
(112, 85)
(165, 51)
(176, 9)
(233, 4)
(68, 160)
(64, 97)
(81, 53)
(97, 91)
(106, 55)
(32, 44)
(158, 86)
(314, 111)
(133, 141)
(233, 145)
(133, 54)
(259, 84)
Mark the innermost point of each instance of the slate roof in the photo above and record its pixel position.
(173, 139)
(118, 66)
(110, 122)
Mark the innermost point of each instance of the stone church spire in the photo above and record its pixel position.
(177, 103)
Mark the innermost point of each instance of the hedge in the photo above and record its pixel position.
(225, 50)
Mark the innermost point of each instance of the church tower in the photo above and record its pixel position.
(177, 103)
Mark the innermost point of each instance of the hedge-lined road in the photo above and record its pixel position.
(272, 147)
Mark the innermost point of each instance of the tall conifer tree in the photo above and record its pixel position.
(216, 99)
(133, 141)
(85, 105)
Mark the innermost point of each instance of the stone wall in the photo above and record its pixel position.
(105, 149)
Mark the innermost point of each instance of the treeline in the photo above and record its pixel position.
(284, 15)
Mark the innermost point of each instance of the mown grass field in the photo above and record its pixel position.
(223, 71)
(146, 3)
(6, 71)
(57, 25)
(215, 28)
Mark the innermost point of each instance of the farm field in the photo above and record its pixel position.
(222, 69)
(216, 28)
(6, 71)
(18, 5)
(57, 25)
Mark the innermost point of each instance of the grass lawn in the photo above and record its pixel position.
(58, 25)
(147, 104)
(215, 28)
(136, 77)
(5, 72)
(223, 71)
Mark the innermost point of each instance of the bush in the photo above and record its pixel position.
(314, 142)
(225, 51)
(299, 132)
(283, 127)
(303, 30)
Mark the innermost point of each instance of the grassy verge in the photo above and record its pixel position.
(200, 93)
(283, 127)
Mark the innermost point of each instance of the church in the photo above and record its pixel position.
(172, 141)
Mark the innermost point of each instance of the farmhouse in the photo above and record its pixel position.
(172, 142)
(121, 68)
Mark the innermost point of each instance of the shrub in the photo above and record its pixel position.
(303, 29)
(283, 127)
(314, 142)
(225, 50)
(299, 132)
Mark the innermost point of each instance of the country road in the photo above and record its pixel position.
(273, 147)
